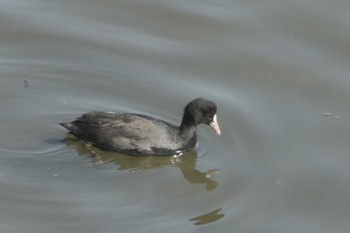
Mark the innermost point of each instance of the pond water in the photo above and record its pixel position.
(278, 71)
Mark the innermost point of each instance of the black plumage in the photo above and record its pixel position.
(139, 135)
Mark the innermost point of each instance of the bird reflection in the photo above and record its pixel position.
(212, 216)
(186, 162)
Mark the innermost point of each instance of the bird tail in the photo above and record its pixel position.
(67, 125)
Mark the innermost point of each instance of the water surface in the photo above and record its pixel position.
(278, 71)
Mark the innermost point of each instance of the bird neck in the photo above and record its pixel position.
(188, 133)
(188, 130)
(188, 121)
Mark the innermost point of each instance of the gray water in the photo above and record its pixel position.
(278, 71)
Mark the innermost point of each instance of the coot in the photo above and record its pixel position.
(142, 135)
